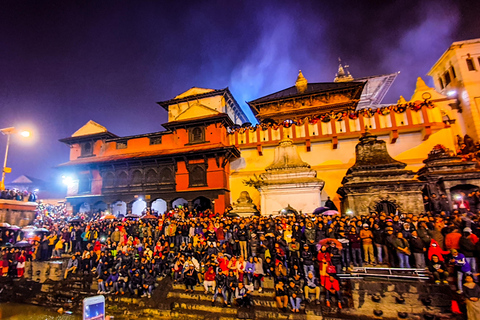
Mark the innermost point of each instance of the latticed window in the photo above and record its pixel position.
(156, 140)
(198, 177)
(87, 149)
(109, 180)
(151, 176)
(122, 179)
(197, 135)
(122, 144)
(137, 177)
(166, 176)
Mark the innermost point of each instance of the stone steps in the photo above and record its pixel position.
(200, 289)
(205, 306)
(194, 297)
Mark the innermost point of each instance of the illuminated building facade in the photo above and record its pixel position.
(208, 150)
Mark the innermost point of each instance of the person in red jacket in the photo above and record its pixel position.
(209, 280)
(435, 250)
(332, 287)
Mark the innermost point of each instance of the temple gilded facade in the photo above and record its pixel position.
(209, 150)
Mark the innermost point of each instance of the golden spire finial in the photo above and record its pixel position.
(342, 74)
(301, 82)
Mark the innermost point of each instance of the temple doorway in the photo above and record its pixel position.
(201, 204)
(179, 203)
(386, 206)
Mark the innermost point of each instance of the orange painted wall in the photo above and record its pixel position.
(214, 134)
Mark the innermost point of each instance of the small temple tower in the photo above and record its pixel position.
(288, 181)
(377, 182)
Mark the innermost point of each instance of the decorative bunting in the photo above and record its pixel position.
(336, 116)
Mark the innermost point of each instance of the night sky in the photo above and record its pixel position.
(63, 63)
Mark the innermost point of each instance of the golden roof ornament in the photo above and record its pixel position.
(301, 82)
(401, 100)
(342, 75)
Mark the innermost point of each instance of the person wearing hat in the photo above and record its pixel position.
(367, 241)
(467, 246)
(462, 267)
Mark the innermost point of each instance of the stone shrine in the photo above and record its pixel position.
(244, 206)
(446, 173)
(377, 182)
(288, 181)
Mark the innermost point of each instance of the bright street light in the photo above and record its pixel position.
(8, 132)
(25, 134)
(67, 180)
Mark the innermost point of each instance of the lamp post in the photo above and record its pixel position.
(8, 132)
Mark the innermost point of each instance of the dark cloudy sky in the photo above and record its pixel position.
(65, 62)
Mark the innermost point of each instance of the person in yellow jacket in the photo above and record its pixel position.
(52, 238)
(57, 252)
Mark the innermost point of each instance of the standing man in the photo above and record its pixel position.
(418, 249)
(242, 235)
(367, 241)
(403, 250)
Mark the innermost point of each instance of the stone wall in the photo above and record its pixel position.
(20, 213)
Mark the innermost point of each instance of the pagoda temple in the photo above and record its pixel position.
(208, 149)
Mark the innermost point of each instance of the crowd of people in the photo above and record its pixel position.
(231, 256)
(19, 195)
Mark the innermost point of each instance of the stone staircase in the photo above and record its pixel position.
(44, 285)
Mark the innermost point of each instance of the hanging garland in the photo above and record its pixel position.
(337, 116)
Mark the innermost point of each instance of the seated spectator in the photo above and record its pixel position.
(102, 289)
(269, 267)
(177, 271)
(112, 282)
(209, 279)
(72, 266)
(242, 296)
(294, 295)
(122, 280)
(220, 287)
(190, 278)
(280, 272)
(311, 285)
(135, 282)
(332, 287)
(148, 284)
(438, 270)
(281, 296)
(232, 283)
